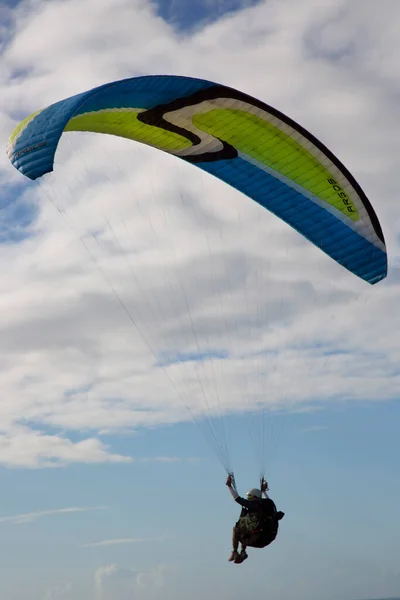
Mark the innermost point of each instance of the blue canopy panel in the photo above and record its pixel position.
(330, 234)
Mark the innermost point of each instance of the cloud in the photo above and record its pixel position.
(113, 581)
(117, 542)
(102, 575)
(165, 459)
(59, 591)
(26, 448)
(23, 447)
(130, 260)
(34, 516)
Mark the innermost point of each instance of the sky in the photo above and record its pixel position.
(157, 326)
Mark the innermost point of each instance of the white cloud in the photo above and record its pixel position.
(113, 581)
(119, 541)
(34, 516)
(27, 448)
(197, 268)
(23, 447)
(101, 575)
(59, 591)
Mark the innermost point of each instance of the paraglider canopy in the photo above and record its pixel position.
(239, 139)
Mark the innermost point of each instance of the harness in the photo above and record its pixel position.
(257, 530)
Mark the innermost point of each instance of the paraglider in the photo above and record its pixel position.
(246, 143)
(258, 523)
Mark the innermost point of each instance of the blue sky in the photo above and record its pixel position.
(328, 481)
(109, 489)
(192, 15)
